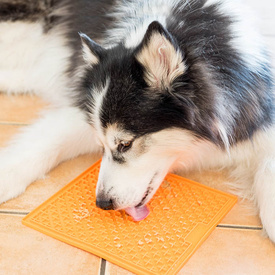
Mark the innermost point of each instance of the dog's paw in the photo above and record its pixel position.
(265, 195)
(11, 185)
(14, 176)
(269, 230)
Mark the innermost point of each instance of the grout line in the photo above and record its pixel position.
(242, 227)
(23, 213)
(102, 267)
(13, 123)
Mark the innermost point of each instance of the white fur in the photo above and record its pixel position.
(247, 39)
(98, 96)
(264, 191)
(140, 14)
(32, 61)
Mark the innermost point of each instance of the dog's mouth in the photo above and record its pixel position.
(141, 211)
(138, 213)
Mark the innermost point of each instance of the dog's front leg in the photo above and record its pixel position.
(265, 195)
(58, 135)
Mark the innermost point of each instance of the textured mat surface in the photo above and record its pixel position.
(182, 215)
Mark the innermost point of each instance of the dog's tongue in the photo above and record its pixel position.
(138, 213)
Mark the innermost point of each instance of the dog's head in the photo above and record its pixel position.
(140, 102)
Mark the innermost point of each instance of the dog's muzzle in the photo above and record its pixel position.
(138, 213)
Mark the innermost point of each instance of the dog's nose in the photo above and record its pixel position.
(104, 204)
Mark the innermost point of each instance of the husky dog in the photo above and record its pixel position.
(156, 85)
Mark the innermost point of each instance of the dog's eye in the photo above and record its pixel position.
(124, 146)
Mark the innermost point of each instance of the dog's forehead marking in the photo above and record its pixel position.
(115, 134)
(96, 107)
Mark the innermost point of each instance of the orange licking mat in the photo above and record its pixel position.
(182, 215)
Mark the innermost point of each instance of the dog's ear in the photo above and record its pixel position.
(92, 52)
(160, 56)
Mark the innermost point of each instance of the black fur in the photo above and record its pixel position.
(207, 39)
(31, 11)
(23, 9)
(204, 40)
(205, 43)
(92, 19)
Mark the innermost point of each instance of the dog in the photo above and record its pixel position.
(154, 85)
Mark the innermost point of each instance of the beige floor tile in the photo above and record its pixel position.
(20, 108)
(112, 269)
(26, 251)
(42, 189)
(230, 252)
(242, 214)
(227, 252)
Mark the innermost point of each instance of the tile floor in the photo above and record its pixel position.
(236, 246)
